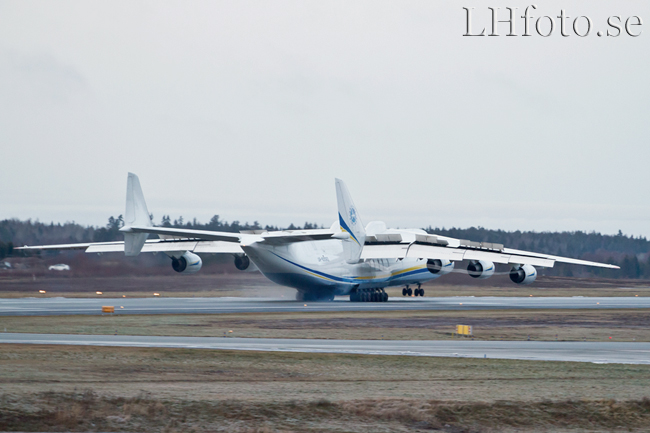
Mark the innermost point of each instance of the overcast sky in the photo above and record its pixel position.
(250, 109)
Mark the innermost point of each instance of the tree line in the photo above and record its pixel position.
(14, 232)
(631, 253)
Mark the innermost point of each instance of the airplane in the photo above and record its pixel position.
(347, 259)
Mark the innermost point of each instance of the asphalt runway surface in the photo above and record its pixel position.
(162, 305)
(614, 352)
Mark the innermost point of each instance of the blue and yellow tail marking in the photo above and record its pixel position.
(345, 228)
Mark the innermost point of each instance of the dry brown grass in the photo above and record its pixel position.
(178, 390)
(88, 411)
(282, 376)
(567, 325)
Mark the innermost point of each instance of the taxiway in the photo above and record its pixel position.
(609, 352)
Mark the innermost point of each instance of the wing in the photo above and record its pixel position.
(197, 241)
(394, 245)
(150, 246)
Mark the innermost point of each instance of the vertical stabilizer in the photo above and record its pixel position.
(350, 223)
(136, 215)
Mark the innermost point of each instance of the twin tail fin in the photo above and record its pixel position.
(136, 215)
(350, 223)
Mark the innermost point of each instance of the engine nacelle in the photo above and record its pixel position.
(525, 274)
(480, 269)
(440, 267)
(188, 263)
(243, 263)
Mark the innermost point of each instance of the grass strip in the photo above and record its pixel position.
(88, 411)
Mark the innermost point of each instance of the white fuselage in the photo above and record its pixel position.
(319, 268)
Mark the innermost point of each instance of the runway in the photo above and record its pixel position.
(625, 353)
(65, 306)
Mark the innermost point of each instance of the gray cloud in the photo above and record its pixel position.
(250, 109)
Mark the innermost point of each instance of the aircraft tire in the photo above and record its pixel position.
(409, 292)
(404, 291)
(384, 297)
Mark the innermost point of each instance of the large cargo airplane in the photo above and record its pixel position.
(346, 259)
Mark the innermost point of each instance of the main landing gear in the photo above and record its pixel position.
(369, 295)
(407, 291)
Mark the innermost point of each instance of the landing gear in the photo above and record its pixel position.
(407, 291)
(369, 295)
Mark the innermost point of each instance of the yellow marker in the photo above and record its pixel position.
(305, 305)
(42, 291)
(99, 293)
(156, 294)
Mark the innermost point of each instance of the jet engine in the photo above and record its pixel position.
(243, 263)
(480, 269)
(188, 263)
(525, 274)
(440, 267)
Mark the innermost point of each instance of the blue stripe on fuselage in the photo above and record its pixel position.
(322, 274)
(355, 280)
